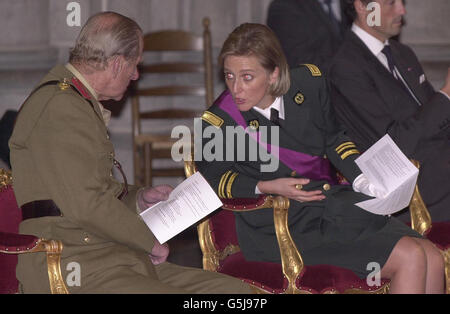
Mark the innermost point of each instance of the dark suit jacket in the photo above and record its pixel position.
(371, 103)
(305, 32)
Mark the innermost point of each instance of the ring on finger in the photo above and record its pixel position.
(299, 186)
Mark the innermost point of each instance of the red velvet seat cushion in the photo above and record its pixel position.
(223, 229)
(10, 217)
(440, 234)
(315, 279)
(269, 276)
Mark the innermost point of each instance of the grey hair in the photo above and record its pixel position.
(105, 35)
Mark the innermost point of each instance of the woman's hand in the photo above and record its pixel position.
(290, 188)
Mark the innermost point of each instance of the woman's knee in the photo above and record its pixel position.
(435, 259)
(407, 255)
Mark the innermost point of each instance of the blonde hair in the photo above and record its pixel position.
(105, 35)
(260, 41)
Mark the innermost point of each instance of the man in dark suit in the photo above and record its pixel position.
(378, 86)
(310, 31)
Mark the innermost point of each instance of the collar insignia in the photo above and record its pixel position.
(254, 125)
(299, 98)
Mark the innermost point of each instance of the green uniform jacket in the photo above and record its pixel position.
(60, 150)
(356, 237)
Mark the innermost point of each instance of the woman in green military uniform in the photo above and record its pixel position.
(324, 222)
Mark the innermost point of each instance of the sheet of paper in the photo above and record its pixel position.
(388, 169)
(189, 202)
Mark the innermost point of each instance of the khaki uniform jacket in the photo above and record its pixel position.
(60, 150)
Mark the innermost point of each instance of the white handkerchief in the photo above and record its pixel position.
(422, 78)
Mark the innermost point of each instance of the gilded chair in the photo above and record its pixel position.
(167, 96)
(221, 253)
(12, 243)
(437, 232)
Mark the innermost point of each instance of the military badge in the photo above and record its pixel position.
(254, 125)
(64, 84)
(299, 98)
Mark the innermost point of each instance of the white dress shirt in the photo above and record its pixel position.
(278, 104)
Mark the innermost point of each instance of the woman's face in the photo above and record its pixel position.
(249, 82)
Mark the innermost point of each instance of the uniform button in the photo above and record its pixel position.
(326, 187)
(293, 173)
(86, 239)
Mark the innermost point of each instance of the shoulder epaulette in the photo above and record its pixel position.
(213, 119)
(313, 69)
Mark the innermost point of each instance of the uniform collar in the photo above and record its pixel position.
(106, 114)
(278, 104)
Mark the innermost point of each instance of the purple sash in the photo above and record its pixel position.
(308, 166)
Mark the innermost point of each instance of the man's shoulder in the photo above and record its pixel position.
(402, 49)
(351, 48)
(291, 4)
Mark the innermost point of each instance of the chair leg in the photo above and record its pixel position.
(147, 164)
(137, 165)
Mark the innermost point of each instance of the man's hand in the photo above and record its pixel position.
(290, 188)
(149, 196)
(159, 253)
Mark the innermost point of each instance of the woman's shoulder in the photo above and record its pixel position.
(306, 76)
(306, 71)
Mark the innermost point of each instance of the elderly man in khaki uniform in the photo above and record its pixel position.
(62, 162)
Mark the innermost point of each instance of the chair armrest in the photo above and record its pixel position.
(420, 216)
(291, 260)
(11, 243)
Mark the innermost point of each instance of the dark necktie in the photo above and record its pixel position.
(333, 20)
(391, 63)
(274, 116)
(388, 53)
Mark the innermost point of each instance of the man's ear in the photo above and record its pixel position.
(117, 64)
(360, 8)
